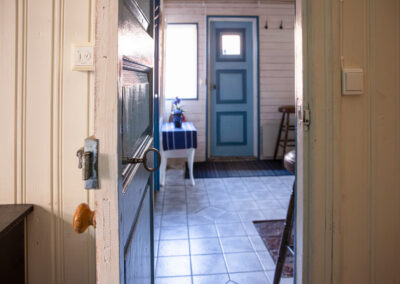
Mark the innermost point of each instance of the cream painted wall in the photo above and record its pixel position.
(366, 200)
(352, 180)
(45, 114)
(276, 60)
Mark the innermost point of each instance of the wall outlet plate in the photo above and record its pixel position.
(83, 57)
(352, 81)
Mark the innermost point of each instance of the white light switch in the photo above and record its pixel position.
(352, 81)
(83, 57)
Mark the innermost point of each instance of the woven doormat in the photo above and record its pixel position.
(237, 169)
(271, 232)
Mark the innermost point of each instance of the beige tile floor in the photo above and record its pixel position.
(204, 234)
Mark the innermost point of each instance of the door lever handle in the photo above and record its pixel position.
(143, 160)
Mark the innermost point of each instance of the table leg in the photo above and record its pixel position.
(190, 165)
(163, 168)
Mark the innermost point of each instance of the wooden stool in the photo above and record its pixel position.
(285, 142)
(290, 164)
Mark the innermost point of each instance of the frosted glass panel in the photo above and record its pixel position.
(231, 44)
(136, 116)
(181, 61)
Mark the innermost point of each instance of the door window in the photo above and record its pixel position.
(231, 45)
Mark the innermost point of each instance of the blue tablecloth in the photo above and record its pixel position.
(179, 138)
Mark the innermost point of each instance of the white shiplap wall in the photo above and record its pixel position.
(46, 112)
(276, 60)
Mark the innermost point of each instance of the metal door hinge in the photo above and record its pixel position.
(88, 159)
(306, 117)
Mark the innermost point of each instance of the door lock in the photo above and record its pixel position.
(87, 161)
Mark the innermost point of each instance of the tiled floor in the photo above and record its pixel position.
(204, 234)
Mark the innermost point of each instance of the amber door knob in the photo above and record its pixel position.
(83, 218)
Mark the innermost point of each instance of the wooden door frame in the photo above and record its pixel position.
(315, 189)
(318, 68)
(256, 62)
(106, 130)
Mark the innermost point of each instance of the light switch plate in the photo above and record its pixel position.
(352, 81)
(83, 57)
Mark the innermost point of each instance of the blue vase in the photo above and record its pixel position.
(177, 119)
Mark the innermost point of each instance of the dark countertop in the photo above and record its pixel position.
(11, 215)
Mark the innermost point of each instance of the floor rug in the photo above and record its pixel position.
(222, 169)
(271, 232)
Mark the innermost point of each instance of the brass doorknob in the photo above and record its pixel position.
(83, 218)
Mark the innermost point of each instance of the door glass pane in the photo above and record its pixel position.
(231, 44)
(145, 6)
(136, 112)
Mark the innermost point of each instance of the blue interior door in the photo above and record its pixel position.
(135, 94)
(232, 89)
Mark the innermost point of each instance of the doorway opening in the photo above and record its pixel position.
(221, 211)
(204, 226)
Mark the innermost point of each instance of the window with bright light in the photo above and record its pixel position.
(181, 61)
(231, 45)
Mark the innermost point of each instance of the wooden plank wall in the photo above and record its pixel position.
(352, 193)
(45, 114)
(366, 201)
(276, 59)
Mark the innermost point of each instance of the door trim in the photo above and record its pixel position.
(317, 60)
(106, 130)
(256, 80)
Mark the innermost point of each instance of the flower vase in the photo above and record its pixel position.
(177, 119)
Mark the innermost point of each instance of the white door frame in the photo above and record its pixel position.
(317, 77)
(106, 130)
